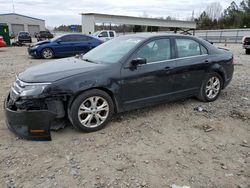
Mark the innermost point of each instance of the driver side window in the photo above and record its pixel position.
(156, 50)
(104, 34)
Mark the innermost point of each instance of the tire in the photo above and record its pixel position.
(30, 41)
(209, 90)
(84, 109)
(47, 53)
(247, 51)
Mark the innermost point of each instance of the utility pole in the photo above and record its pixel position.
(13, 6)
(193, 15)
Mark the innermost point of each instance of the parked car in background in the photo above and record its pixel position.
(43, 35)
(63, 46)
(12, 36)
(24, 36)
(246, 44)
(2, 42)
(105, 35)
(128, 72)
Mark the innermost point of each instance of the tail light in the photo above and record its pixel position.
(233, 60)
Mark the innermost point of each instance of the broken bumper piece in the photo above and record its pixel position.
(30, 125)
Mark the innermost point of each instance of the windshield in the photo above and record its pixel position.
(112, 51)
(55, 38)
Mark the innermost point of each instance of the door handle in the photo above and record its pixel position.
(166, 68)
(206, 61)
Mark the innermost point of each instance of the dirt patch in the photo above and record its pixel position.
(172, 143)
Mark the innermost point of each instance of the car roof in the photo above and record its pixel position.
(73, 34)
(148, 35)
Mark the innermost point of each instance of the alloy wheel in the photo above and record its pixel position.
(47, 53)
(212, 87)
(93, 111)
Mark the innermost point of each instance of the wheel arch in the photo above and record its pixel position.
(49, 47)
(109, 92)
(219, 69)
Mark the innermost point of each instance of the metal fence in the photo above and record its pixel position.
(228, 35)
(216, 36)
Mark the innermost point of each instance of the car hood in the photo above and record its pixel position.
(41, 42)
(57, 70)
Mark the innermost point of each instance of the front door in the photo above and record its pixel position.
(152, 82)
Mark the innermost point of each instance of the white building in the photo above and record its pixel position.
(90, 19)
(18, 22)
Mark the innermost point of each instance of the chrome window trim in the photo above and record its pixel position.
(174, 59)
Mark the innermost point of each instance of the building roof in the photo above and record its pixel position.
(14, 14)
(140, 20)
(122, 16)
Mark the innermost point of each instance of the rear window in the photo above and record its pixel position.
(23, 33)
(188, 47)
(111, 34)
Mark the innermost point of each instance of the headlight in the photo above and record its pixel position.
(26, 90)
(34, 47)
(32, 90)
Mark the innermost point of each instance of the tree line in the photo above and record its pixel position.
(235, 16)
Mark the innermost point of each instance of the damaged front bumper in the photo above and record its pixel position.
(29, 124)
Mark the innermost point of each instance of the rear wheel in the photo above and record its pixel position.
(91, 110)
(47, 53)
(211, 87)
(247, 51)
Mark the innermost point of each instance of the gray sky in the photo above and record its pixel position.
(57, 12)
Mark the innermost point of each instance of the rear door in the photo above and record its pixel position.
(191, 61)
(84, 43)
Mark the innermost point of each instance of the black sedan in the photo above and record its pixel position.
(122, 74)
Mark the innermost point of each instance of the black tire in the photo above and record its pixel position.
(45, 53)
(73, 111)
(30, 41)
(247, 51)
(203, 96)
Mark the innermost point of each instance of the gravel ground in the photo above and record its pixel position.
(152, 147)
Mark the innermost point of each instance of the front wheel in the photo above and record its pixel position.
(210, 88)
(91, 110)
(247, 51)
(47, 53)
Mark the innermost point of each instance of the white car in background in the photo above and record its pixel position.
(105, 35)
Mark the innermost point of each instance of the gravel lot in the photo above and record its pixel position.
(152, 147)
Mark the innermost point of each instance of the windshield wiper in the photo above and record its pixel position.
(88, 60)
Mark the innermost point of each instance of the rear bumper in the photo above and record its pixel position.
(246, 46)
(30, 125)
(226, 83)
(24, 39)
(2, 44)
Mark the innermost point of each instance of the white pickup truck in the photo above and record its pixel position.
(105, 35)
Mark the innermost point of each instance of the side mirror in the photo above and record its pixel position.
(138, 61)
(59, 41)
(100, 35)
